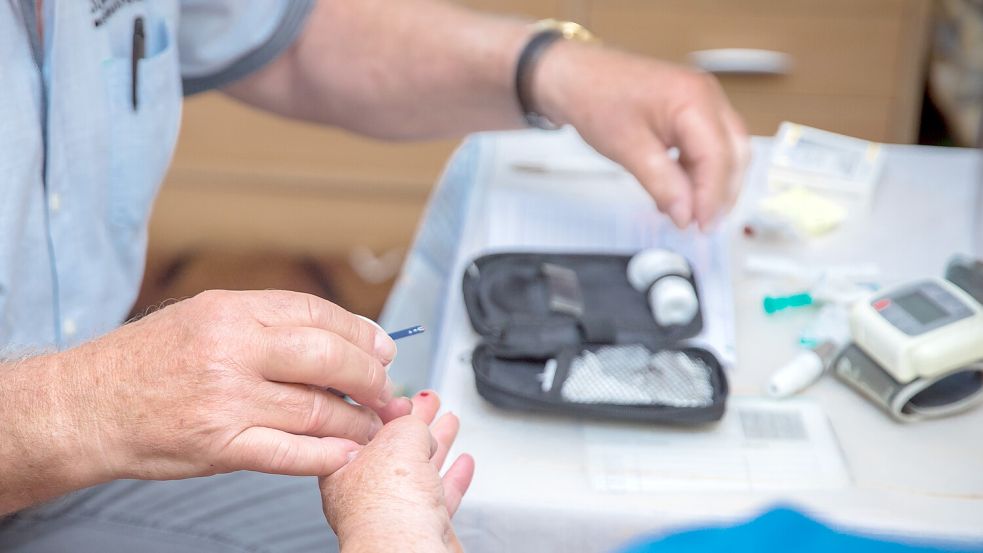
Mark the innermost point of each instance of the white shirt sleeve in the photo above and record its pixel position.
(221, 41)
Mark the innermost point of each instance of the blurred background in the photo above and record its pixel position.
(253, 201)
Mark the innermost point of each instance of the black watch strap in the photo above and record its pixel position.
(524, 72)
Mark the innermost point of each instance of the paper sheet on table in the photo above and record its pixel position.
(612, 214)
(760, 445)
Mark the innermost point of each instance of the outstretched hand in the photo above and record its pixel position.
(391, 495)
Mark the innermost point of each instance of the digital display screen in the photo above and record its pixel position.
(921, 307)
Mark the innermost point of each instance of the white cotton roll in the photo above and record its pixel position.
(797, 375)
(673, 301)
(648, 265)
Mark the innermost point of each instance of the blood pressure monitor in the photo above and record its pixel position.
(917, 351)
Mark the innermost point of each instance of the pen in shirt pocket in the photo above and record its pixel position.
(139, 50)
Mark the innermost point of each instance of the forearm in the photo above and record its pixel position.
(406, 69)
(45, 450)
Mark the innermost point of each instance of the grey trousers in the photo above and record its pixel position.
(229, 513)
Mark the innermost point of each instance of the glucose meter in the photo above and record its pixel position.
(918, 349)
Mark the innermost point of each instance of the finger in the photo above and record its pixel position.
(444, 432)
(741, 145)
(705, 153)
(283, 308)
(737, 136)
(425, 405)
(398, 407)
(647, 158)
(320, 358)
(301, 409)
(274, 451)
(410, 438)
(456, 482)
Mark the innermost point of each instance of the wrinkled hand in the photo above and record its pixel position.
(633, 109)
(231, 381)
(391, 496)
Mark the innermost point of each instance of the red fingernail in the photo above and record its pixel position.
(424, 394)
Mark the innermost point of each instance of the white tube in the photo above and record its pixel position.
(797, 375)
(802, 371)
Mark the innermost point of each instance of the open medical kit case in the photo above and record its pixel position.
(567, 333)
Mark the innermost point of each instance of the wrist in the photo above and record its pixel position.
(45, 451)
(545, 72)
(552, 85)
(91, 421)
(406, 543)
(76, 423)
(370, 530)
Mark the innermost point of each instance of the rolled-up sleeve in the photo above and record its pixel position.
(222, 41)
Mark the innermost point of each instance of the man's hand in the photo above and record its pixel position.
(391, 496)
(221, 382)
(634, 109)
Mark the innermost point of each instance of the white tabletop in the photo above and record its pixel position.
(532, 490)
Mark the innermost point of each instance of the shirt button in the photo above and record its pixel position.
(54, 202)
(68, 327)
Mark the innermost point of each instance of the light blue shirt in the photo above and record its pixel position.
(79, 166)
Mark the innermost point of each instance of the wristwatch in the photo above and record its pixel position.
(545, 33)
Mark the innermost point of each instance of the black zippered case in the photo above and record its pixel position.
(567, 333)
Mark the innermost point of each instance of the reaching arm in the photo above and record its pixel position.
(428, 68)
(396, 70)
(220, 382)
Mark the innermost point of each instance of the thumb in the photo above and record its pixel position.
(275, 451)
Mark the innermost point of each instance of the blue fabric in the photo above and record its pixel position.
(79, 166)
(781, 530)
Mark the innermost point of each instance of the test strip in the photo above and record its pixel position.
(406, 332)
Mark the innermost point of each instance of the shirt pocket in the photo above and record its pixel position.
(142, 138)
